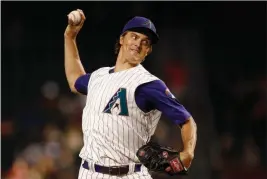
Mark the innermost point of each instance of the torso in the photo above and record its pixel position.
(113, 125)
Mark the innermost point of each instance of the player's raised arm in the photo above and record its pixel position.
(73, 66)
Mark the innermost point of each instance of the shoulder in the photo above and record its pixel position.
(146, 75)
(156, 86)
(101, 71)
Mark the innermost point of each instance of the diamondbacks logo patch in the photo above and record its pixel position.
(118, 103)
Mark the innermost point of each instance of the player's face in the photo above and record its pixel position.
(135, 47)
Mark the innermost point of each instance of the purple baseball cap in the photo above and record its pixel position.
(142, 25)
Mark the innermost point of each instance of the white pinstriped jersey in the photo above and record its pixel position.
(113, 125)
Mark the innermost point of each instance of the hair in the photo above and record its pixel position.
(118, 45)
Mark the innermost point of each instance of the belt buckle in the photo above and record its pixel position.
(110, 169)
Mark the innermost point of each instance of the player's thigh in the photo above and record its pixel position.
(89, 174)
(143, 174)
(137, 175)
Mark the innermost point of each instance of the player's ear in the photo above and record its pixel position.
(122, 37)
(149, 51)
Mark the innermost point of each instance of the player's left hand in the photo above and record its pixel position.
(186, 158)
(159, 158)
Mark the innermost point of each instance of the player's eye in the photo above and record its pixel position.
(146, 42)
(134, 36)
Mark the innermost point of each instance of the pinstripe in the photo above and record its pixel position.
(93, 122)
(97, 174)
(86, 173)
(106, 86)
(128, 81)
(100, 140)
(133, 138)
(122, 82)
(102, 85)
(140, 76)
(113, 89)
(110, 138)
(81, 172)
(154, 124)
(87, 113)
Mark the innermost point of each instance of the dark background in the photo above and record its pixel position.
(212, 55)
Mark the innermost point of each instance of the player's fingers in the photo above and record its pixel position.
(70, 21)
(81, 23)
(82, 14)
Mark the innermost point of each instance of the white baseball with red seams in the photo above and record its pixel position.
(75, 17)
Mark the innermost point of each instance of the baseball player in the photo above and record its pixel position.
(124, 104)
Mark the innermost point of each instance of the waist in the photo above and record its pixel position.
(114, 156)
(112, 170)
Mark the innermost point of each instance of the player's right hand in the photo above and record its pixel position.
(73, 30)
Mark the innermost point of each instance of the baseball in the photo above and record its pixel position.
(75, 17)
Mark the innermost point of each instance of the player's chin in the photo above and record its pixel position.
(135, 61)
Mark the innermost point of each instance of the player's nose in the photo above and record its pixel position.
(137, 43)
(137, 46)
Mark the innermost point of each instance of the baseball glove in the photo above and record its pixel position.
(161, 159)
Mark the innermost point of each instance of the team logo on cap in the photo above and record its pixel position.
(148, 22)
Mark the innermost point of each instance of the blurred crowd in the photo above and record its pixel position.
(241, 121)
(47, 138)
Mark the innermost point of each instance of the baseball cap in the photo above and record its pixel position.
(142, 25)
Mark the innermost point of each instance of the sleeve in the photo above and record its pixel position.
(156, 95)
(81, 84)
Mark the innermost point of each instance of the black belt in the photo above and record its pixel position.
(115, 170)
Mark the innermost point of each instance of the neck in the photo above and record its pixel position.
(122, 63)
